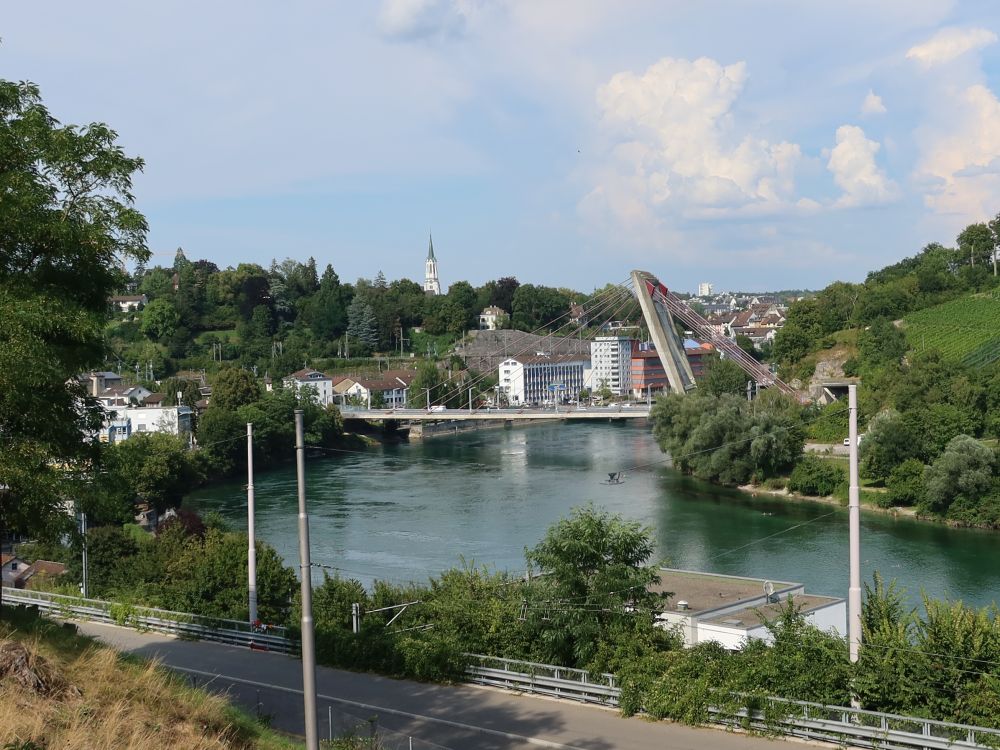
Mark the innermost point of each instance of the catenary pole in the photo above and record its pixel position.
(305, 574)
(251, 530)
(854, 520)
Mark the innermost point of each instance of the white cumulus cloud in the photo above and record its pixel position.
(680, 149)
(960, 156)
(852, 163)
(873, 105)
(950, 43)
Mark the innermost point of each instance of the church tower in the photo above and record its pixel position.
(431, 283)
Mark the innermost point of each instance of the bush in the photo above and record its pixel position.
(815, 476)
(906, 483)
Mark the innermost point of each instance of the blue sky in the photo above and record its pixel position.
(756, 144)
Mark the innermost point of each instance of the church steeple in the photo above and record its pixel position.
(431, 283)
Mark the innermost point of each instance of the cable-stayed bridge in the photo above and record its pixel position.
(667, 319)
(435, 414)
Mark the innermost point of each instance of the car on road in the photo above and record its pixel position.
(437, 408)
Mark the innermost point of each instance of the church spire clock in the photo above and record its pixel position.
(431, 283)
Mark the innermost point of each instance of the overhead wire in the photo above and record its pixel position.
(611, 296)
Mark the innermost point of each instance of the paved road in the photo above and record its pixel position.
(436, 716)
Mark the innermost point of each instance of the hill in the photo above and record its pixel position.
(965, 330)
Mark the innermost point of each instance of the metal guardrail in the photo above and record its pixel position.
(812, 721)
(232, 632)
(544, 679)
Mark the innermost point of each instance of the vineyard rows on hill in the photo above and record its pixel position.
(963, 330)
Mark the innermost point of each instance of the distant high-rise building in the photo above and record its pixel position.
(704, 289)
(431, 283)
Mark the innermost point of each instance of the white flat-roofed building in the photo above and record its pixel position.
(705, 289)
(611, 364)
(731, 610)
(542, 378)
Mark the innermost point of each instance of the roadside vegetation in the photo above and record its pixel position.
(586, 606)
(61, 690)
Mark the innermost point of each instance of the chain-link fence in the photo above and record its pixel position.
(341, 727)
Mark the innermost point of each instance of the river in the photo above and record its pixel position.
(405, 512)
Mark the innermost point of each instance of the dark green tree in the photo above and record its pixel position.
(233, 388)
(66, 223)
(597, 573)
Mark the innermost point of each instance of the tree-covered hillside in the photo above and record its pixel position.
(928, 359)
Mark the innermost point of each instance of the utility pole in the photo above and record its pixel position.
(854, 520)
(251, 533)
(305, 574)
(470, 401)
(85, 584)
(428, 398)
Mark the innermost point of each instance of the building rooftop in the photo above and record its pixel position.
(704, 592)
(754, 616)
(535, 359)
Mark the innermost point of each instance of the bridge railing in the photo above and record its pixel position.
(186, 625)
(813, 721)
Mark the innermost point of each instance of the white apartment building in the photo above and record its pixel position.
(542, 378)
(705, 289)
(611, 364)
(321, 383)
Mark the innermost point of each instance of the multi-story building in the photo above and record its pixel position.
(542, 378)
(704, 289)
(491, 318)
(611, 364)
(321, 383)
(648, 375)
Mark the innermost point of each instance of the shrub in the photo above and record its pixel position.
(906, 483)
(814, 476)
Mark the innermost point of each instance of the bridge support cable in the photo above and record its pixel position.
(704, 330)
(615, 299)
(617, 296)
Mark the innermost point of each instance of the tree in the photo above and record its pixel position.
(881, 343)
(905, 484)
(362, 323)
(428, 379)
(889, 441)
(156, 467)
(66, 223)
(160, 319)
(597, 573)
(976, 243)
(502, 293)
(233, 388)
(724, 376)
(966, 469)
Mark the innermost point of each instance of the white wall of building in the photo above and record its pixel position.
(321, 384)
(611, 364)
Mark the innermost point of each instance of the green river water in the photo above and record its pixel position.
(406, 512)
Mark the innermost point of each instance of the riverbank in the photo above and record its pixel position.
(783, 493)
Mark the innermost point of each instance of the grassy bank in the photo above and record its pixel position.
(58, 689)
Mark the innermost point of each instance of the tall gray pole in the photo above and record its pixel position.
(305, 574)
(470, 401)
(251, 529)
(854, 514)
(86, 582)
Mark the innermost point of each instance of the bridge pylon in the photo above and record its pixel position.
(669, 346)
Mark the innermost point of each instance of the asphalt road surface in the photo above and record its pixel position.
(427, 715)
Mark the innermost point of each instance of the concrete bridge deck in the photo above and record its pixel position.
(445, 415)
